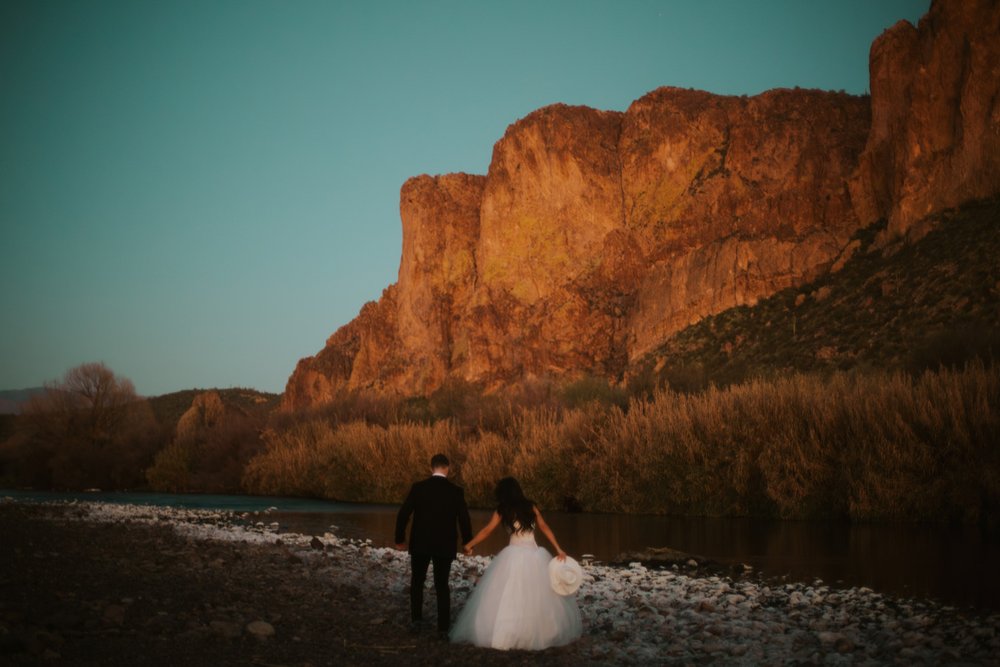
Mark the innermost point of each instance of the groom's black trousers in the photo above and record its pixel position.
(418, 570)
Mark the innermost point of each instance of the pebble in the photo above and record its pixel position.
(260, 629)
(633, 615)
(226, 629)
(114, 614)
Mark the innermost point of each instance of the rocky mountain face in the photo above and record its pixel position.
(935, 136)
(595, 236)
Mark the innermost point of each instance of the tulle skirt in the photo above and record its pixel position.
(514, 607)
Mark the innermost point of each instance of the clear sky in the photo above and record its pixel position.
(198, 193)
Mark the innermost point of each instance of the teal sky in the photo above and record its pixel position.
(198, 193)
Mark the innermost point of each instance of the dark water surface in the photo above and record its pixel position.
(955, 565)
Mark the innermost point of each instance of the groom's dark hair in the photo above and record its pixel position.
(439, 461)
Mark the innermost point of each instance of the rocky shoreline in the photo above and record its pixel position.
(103, 584)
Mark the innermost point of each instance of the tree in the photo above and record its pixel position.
(91, 398)
(91, 428)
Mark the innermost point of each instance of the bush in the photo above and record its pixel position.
(356, 462)
(592, 389)
(876, 446)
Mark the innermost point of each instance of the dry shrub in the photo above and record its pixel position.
(554, 450)
(292, 462)
(866, 446)
(376, 464)
(357, 462)
(489, 457)
(171, 469)
(878, 446)
(674, 454)
(795, 422)
(928, 448)
(545, 451)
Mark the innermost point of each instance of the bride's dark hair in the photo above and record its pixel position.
(513, 507)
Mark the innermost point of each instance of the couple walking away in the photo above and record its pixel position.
(514, 605)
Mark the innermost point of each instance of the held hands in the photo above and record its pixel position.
(401, 546)
(467, 550)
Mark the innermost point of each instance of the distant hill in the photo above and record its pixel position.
(168, 408)
(11, 400)
(908, 306)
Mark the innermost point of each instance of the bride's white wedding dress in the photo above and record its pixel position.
(514, 607)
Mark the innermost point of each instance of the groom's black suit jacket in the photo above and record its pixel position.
(437, 506)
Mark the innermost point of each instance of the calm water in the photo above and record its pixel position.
(956, 565)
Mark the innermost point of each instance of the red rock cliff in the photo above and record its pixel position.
(596, 235)
(935, 137)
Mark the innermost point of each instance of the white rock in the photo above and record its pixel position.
(260, 629)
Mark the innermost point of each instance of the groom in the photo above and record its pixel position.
(437, 506)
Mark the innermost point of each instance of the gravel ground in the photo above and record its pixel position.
(129, 593)
(102, 584)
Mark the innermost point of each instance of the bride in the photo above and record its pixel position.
(513, 606)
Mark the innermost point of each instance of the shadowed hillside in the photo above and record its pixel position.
(907, 306)
(169, 408)
(212, 435)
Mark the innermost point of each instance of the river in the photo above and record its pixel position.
(956, 565)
